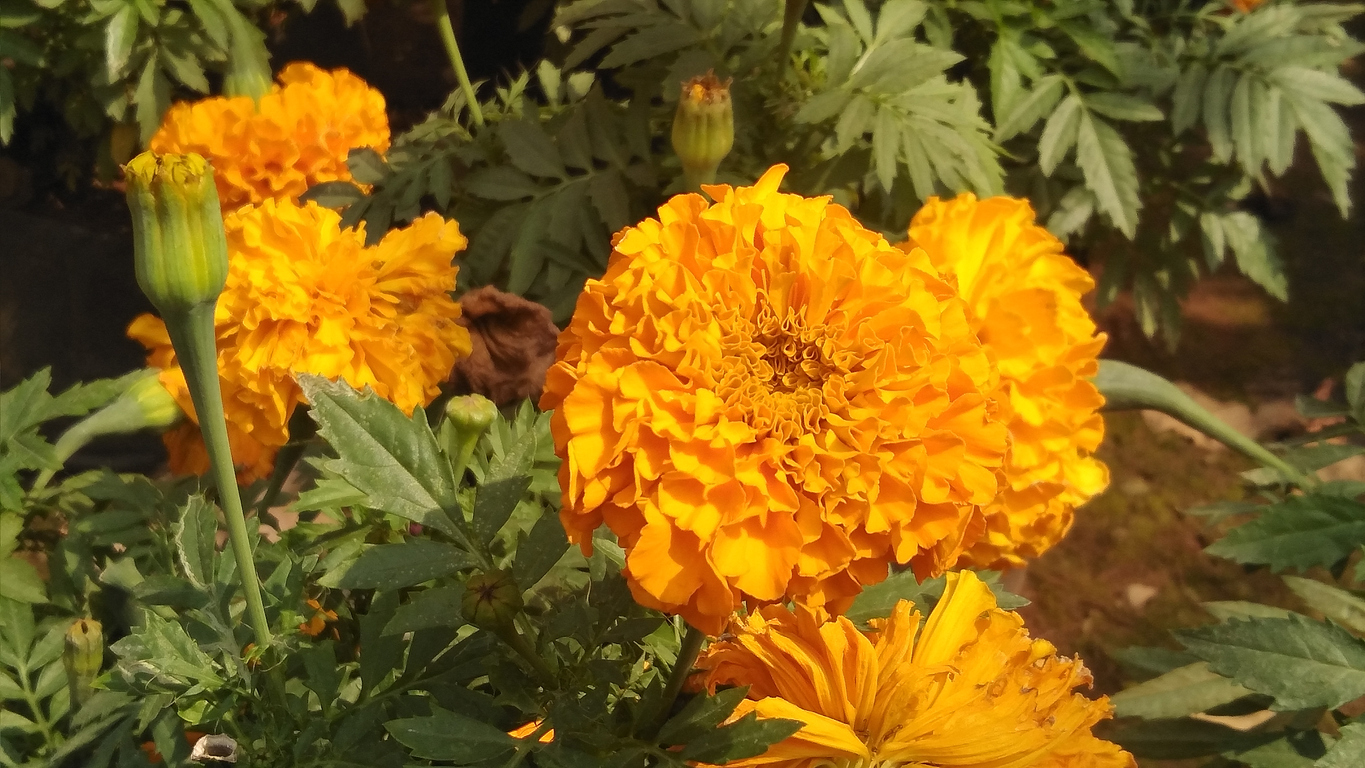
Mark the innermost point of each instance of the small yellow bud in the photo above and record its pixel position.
(178, 239)
(83, 657)
(703, 127)
(491, 600)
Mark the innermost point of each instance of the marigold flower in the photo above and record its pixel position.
(1025, 296)
(765, 400)
(298, 135)
(305, 296)
(972, 690)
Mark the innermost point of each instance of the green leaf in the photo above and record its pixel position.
(608, 193)
(501, 183)
(119, 37)
(1217, 95)
(19, 581)
(1047, 91)
(1254, 248)
(1299, 532)
(649, 43)
(1187, 98)
(530, 149)
(452, 737)
(542, 548)
(438, 607)
(1294, 749)
(1107, 163)
(823, 106)
(1335, 603)
(333, 194)
(1177, 693)
(1348, 752)
(1316, 84)
(494, 502)
(394, 566)
(746, 737)
(1227, 610)
(702, 714)
(1059, 134)
(1355, 392)
(380, 655)
(196, 544)
(329, 493)
(153, 97)
(1302, 663)
(886, 146)
(1243, 139)
(367, 166)
(1122, 106)
(394, 460)
(1094, 45)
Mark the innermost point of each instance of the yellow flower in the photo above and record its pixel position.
(297, 136)
(305, 296)
(1025, 297)
(764, 400)
(969, 690)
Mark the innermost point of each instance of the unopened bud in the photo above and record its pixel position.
(467, 418)
(703, 127)
(492, 600)
(178, 240)
(83, 657)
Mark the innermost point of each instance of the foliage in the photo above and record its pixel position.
(1305, 670)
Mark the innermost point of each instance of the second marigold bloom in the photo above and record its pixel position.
(305, 296)
(298, 135)
(1025, 296)
(969, 690)
(764, 400)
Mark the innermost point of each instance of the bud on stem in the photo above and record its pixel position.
(467, 418)
(83, 657)
(703, 128)
(182, 264)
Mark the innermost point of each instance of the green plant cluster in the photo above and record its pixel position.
(1267, 687)
(1137, 129)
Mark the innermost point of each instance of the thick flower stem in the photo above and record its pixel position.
(687, 655)
(447, 32)
(517, 642)
(192, 335)
(1127, 387)
(791, 19)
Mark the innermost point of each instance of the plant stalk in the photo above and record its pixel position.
(447, 32)
(192, 335)
(791, 20)
(517, 642)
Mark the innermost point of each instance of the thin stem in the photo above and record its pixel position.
(687, 655)
(517, 642)
(452, 47)
(791, 20)
(192, 336)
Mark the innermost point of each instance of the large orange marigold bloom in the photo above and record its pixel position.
(305, 296)
(1025, 296)
(298, 135)
(969, 690)
(765, 400)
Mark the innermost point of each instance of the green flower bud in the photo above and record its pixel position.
(492, 600)
(83, 657)
(703, 127)
(178, 238)
(467, 418)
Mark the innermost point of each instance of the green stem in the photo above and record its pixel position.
(192, 336)
(517, 642)
(1128, 387)
(791, 20)
(452, 47)
(687, 655)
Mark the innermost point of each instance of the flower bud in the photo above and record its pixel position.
(491, 600)
(471, 413)
(703, 128)
(83, 657)
(178, 239)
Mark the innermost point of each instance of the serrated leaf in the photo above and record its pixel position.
(1122, 106)
(494, 502)
(1187, 98)
(119, 36)
(1227, 610)
(1046, 92)
(542, 548)
(1316, 84)
(1185, 738)
(886, 147)
(1302, 663)
(703, 713)
(1348, 751)
(501, 183)
(446, 735)
(1107, 163)
(607, 191)
(196, 540)
(1335, 603)
(438, 607)
(746, 737)
(1180, 692)
(649, 43)
(1059, 134)
(530, 149)
(1254, 248)
(1299, 532)
(1240, 125)
(394, 460)
(366, 165)
(1217, 96)
(823, 106)
(333, 194)
(395, 566)
(855, 121)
